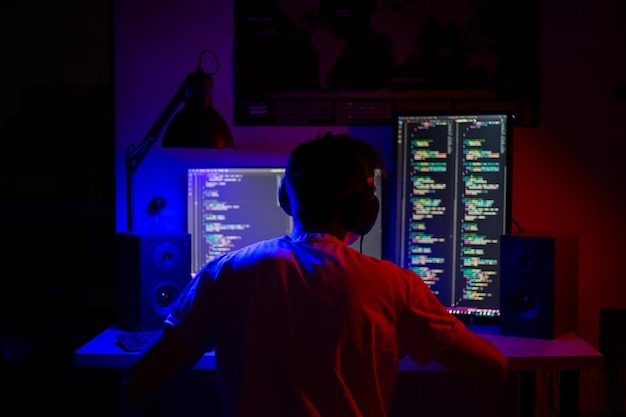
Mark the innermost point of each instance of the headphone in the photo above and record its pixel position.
(358, 210)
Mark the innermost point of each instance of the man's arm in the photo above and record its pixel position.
(475, 357)
(166, 358)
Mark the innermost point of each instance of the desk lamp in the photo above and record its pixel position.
(197, 125)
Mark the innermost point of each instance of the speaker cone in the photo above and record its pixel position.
(526, 303)
(163, 297)
(166, 257)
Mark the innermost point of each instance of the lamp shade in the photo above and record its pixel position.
(198, 124)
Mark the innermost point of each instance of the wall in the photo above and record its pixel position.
(568, 172)
(57, 197)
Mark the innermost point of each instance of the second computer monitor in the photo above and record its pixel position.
(453, 203)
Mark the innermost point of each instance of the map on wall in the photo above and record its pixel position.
(360, 61)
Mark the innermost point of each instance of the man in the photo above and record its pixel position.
(304, 325)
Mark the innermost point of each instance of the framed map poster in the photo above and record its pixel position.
(330, 62)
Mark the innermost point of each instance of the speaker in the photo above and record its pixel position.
(151, 271)
(538, 284)
(358, 211)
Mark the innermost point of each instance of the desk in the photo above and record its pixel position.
(567, 355)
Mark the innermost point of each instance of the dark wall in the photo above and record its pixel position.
(56, 197)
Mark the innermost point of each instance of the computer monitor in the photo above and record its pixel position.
(229, 208)
(453, 204)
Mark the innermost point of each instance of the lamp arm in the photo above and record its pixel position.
(135, 154)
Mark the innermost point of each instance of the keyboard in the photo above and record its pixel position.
(137, 341)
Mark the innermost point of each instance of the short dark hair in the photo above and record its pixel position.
(320, 170)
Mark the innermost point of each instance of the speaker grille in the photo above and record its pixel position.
(151, 272)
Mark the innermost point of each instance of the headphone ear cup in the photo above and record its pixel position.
(283, 197)
(359, 211)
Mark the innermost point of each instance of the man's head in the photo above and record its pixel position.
(330, 181)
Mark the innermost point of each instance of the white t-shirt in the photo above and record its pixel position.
(304, 325)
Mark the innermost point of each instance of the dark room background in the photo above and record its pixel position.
(57, 195)
(81, 81)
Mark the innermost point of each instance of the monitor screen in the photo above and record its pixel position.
(452, 205)
(229, 208)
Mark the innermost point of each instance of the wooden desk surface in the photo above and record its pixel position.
(569, 352)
